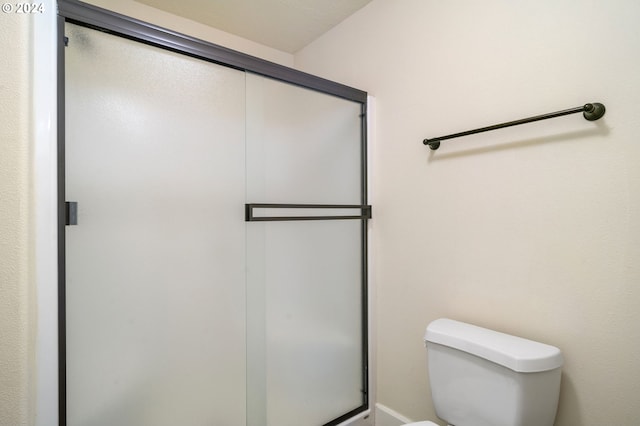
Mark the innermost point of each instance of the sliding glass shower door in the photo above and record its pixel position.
(305, 282)
(214, 261)
(155, 285)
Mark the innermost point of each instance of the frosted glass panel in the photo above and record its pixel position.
(308, 277)
(302, 146)
(304, 282)
(156, 265)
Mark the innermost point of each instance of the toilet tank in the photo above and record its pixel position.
(480, 377)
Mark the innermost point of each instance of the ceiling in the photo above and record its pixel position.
(286, 25)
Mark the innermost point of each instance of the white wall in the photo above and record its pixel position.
(16, 295)
(531, 230)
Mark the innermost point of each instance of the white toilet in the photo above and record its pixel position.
(481, 377)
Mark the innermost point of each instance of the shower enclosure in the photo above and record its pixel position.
(213, 234)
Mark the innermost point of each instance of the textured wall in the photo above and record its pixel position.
(16, 348)
(531, 230)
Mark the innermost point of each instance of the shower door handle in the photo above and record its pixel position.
(339, 212)
(71, 212)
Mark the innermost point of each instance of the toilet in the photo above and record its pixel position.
(481, 377)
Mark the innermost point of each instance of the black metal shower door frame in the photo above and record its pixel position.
(83, 14)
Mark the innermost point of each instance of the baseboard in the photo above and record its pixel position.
(385, 416)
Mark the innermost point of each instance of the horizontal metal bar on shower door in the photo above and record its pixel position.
(362, 212)
(591, 112)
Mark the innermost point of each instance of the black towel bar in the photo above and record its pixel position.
(591, 112)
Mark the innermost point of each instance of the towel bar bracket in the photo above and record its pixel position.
(594, 111)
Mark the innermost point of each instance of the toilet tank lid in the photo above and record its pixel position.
(513, 352)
